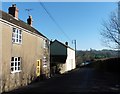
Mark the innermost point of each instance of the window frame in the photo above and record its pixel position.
(44, 60)
(17, 36)
(45, 45)
(15, 65)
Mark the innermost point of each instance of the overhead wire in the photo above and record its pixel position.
(52, 18)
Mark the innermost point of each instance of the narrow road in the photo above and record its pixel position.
(82, 80)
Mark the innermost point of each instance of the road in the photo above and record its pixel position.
(80, 80)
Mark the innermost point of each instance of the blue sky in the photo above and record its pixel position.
(80, 21)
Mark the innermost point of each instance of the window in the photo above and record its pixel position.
(15, 64)
(45, 44)
(44, 61)
(16, 36)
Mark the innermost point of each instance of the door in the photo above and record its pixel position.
(38, 68)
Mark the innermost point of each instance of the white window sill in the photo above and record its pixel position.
(45, 66)
(16, 71)
(16, 43)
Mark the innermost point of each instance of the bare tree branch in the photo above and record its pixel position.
(111, 31)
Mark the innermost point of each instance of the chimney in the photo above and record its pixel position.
(29, 20)
(66, 43)
(13, 11)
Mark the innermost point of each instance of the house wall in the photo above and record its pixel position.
(0, 57)
(30, 51)
(58, 49)
(70, 61)
(59, 52)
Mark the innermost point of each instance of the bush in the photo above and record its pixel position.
(111, 65)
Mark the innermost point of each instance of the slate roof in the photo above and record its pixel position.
(62, 44)
(11, 19)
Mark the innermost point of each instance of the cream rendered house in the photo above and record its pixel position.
(62, 56)
(24, 51)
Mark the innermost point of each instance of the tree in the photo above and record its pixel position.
(111, 31)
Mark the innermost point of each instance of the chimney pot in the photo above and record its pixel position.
(13, 5)
(66, 43)
(29, 20)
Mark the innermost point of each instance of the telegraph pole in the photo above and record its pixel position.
(74, 42)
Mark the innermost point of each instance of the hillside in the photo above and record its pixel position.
(82, 56)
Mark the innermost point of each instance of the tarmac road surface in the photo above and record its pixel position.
(81, 80)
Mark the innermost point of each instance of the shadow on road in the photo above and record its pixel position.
(81, 80)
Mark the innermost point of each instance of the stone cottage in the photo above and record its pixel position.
(24, 51)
